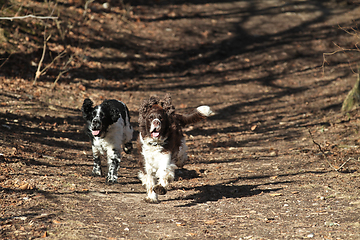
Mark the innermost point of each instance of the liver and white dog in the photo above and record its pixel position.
(108, 126)
(162, 143)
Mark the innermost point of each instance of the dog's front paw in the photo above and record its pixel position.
(110, 181)
(95, 173)
(159, 190)
(151, 200)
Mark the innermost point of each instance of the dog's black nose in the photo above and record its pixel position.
(96, 123)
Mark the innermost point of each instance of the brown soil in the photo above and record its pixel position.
(254, 171)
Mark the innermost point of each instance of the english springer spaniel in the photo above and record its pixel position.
(108, 126)
(162, 143)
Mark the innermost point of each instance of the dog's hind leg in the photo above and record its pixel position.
(181, 157)
(114, 158)
(128, 135)
(128, 147)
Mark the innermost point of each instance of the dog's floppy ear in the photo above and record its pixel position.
(113, 111)
(115, 114)
(166, 104)
(145, 107)
(87, 108)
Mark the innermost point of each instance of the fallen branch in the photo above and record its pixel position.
(342, 49)
(342, 165)
(38, 72)
(27, 16)
(3, 63)
(322, 151)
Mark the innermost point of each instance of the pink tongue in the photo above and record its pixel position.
(155, 134)
(95, 132)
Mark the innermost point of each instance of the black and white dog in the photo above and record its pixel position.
(108, 126)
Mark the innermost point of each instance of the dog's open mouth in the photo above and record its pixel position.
(155, 134)
(95, 133)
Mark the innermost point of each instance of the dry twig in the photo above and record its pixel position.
(5, 60)
(320, 149)
(27, 16)
(64, 70)
(353, 32)
(328, 161)
(341, 49)
(38, 72)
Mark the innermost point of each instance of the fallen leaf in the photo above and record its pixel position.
(273, 153)
(82, 87)
(205, 33)
(253, 127)
(210, 222)
(191, 234)
(24, 186)
(56, 221)
(275, 194)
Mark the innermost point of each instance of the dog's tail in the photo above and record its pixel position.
(197, 115)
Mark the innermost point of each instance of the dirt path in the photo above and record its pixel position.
(253, 171)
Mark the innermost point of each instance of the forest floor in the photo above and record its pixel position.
(278, 160)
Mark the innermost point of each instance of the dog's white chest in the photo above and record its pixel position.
(154, 153)
(113, 138)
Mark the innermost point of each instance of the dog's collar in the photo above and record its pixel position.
(157, 143)
(153, 143)
(149, 141)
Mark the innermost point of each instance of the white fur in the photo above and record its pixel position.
(153, 127)
(158, 165)
(205, 111)
(117, 135)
